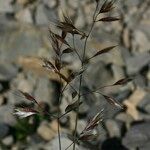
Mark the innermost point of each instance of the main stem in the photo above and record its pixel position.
(58, 116)
(81, 76)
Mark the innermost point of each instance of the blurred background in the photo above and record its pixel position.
(24, 39)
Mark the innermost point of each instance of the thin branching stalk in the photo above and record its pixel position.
(58, 121)
(75, 48)
(81, 76)
(58, 128)
(69, 145)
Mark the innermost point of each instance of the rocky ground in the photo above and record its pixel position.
(24, 38)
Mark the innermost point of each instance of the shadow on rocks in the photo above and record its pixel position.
(113, 144)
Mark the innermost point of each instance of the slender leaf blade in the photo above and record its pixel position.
(73, 106)
(123, 81)
(109, 19)
(113, 102)
(103, 51)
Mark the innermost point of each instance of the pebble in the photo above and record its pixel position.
(4, 130)
(41, 18)
(5, 6)
(83, 109)
(25, 85)
(118, 72)
(123, 94)
(7, 71)
(8, 141)
(140, 42)
(16, 41)
(97, 71)
(137, 62)
(145, 147)
(24, 16)
(126, 118)
(46, 131)
(140, 81)
(22, 2)
(50, 3)
(6, 115)
(53, 144)
(81, 125)
(137, 136)
(80, 22)
(144, 104)
(74, 4)
(64, 121)
(114, 128)
(46, 94)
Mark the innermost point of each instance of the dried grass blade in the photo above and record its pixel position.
(113, 102)
(49, 65)
(28, 96)
(103, 51)
(88, 137)
(109, 19)
(123, 81)
(72, 107)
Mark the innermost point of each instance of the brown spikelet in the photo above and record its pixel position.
(113, 102)
(73, 106)
(109, 19)
(48, 65)
(123, 81)
(94, 122)
(107, 6)
(88, 137)
(103, 51)
(28, 96)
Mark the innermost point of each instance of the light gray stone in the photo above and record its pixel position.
(41, 18)
(97, 75)
(145, 147)
(118, 72)
(6, 115)
(16, 41)
(80, 21)
(7, 71)
(144, 104)
(42, 90)
(137, 62)
(50, 3)
(137, 136)
(74, 4)
(53, 144)
(8, 141)
(140, 41)
(5, 6)
(25, 16)
(45, 131)
(114, 128)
